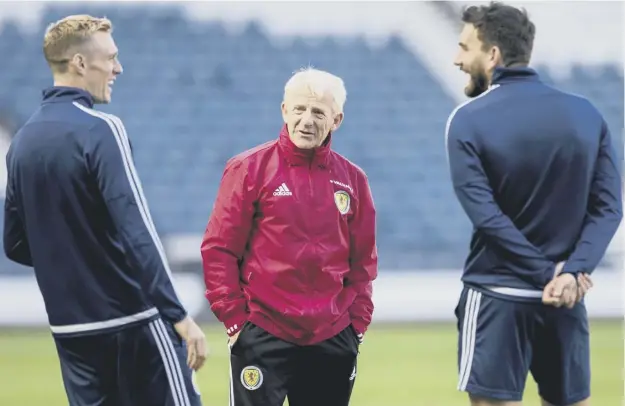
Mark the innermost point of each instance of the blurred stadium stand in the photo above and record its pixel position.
(195, 92)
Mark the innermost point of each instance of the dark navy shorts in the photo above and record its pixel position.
(140, 365)
(500, 341)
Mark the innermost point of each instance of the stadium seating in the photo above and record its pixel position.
(193, 94)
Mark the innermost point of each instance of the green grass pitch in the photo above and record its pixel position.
(409, 365)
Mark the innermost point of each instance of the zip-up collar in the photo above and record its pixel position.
(60, 94)
(514, 75)
(296, 156)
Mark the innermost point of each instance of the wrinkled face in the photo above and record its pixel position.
(309, 118)
(99, 66)
(475, 61)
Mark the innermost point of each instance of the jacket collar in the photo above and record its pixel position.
(297, 157)
(514, 75)
(56, 94)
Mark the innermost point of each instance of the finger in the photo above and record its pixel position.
(584, 286)
(557, 290)
(583, 283)
(574, 295)
(552, 290)
(548, 297)
(570, 298)
(562, 285)
(548, 289)
(583, 279)
(567, 297)
(573, 301)
(191, 353)
(200, 363)
(561, 303)
(557, 303)
(201, 354)
(587, 278)
(550, 300)
(554, 303)
(196, 358)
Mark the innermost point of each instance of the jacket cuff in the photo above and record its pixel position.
(235, 324)
(360, 327)
(174, 316)
(569, 268)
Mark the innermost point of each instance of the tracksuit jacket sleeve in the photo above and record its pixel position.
(476, 196)
(111, 164)
(224, 244)
(363, 259)
(16, 245)
(604, 213)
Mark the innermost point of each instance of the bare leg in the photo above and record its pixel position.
(585, 402)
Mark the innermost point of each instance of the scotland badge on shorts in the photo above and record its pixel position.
(341, 198)
(251, 378)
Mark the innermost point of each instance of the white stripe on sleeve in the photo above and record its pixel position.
(119, 132)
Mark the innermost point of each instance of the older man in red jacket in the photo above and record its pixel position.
(290, 256)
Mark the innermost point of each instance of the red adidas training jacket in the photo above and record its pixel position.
(290, 244)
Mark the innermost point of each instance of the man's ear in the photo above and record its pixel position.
(283, 109)
(338, 120)
(78, 63)
(495, 58)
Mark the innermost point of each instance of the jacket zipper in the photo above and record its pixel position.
(310, 179)
(310, 278)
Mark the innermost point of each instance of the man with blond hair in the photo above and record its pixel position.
(290, 256)
(75, 211)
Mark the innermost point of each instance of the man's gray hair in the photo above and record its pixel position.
(318, 83)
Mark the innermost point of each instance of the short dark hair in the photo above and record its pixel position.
(506, 27)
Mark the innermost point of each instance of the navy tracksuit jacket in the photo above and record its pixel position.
(75, 211)
(536, 172)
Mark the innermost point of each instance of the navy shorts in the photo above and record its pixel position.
(140, 365)
(500, 341)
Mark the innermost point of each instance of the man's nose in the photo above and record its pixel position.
(307, 118)
(458, 61)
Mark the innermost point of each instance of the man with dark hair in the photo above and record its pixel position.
(535, 171)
